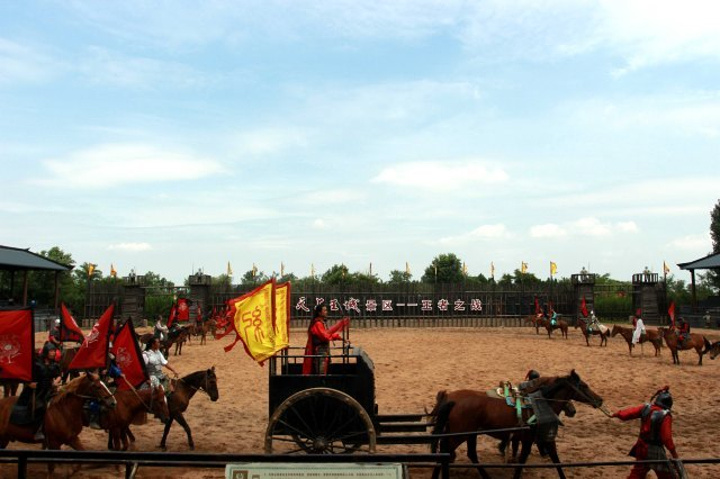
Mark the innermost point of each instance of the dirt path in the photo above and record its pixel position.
(413, 364)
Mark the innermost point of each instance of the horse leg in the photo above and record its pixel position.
(472, 455)
(524, 453)
(587, 338)
(165, 432)
(552, 451)
(181, 420)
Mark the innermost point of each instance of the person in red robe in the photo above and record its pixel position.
(683, 330)
(317, 349)
(655, 435)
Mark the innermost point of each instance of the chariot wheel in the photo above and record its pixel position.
(320, 421)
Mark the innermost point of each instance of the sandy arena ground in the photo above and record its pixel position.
(413, 364)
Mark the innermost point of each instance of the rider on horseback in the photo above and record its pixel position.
(160, 331)
(683, 329)
(594, 324)
(32, 402)
(155, 361)
(52, 346)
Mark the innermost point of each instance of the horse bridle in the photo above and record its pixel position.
(203, 388)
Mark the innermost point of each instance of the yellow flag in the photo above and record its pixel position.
(282, 316)
(523, 267)
(553, 268)
(282, 269)
(254, 270)
(492, 269)
(312, 269)
(253, 319)
(113, 272)
(464, 268)
(91, 269)
(666, 268)
(229, 269)
(407, 268)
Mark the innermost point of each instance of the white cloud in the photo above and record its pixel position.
(24, 64)
(132, 247)
(484, 232)
(437, 175)
(627, 227)
(118, 164)
(547, 231)
(319, 224)
(270, 140)
(591, 227)
(692, 242)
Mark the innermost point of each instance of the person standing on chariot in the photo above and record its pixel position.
(155, 362)
(318, 343)
(655, 435)
(639, 328)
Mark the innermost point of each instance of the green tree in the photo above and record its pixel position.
(445, 268)
(253, 278)
(337, 274)
(713, 277)
(399, 277)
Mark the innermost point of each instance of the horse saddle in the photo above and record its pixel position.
(22, 415)
(513, 397)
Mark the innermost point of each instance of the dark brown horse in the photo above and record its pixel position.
(63, 419)
(131, 402)
(596, 331)
(714, 349)
(471, 411)
(561, 324)
(698, 342)
(208, 327)
(177, 338)
(534, 321)
(651, 335)
(185, 388)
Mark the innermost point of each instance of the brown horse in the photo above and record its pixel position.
(10, 387)
(562, 325)
(177, 338)
(714, 349)
(651, 335)
(698, 342)
(68, 354)
(131, 402)
(208, 327)
(534, 321)
(63, 419)
(582, 324)
(471, 411)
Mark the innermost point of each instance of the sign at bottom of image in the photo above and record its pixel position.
(257, 470)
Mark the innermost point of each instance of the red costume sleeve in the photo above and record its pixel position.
(630, 413)
(338, 326)
(666, 435)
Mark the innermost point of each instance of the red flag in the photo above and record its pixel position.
(129, 357)
(93, 352)
(17, 344)
(538, 309)
(173, 315)
(69, 330)
(671, 313)
(583, 308)
(183, 310)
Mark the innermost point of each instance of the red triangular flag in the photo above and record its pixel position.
(173, 316)
(538, 309)
(583, 308)
(17, 344)
(69, 329)
(93, 351)
(671, 313)
(129, 357)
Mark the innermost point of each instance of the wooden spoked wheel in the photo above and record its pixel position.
(320, 421)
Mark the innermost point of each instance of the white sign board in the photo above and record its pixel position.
(264, 470)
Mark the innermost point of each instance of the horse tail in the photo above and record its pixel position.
(442, 414)
(708, 346)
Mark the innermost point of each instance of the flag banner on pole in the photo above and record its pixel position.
(129, 357)
(229, 269)
(523, 267)
(17, 344)
(253, 319)
(583, 308)
(407, 268)
(113, 271)
(282, 316)
(671, 313)
(666, 268)
(492, 269)
(538, 309)
(91, 269)
(183, 309)
(94, 349)
(553, 268)
(69, 329)
(173, 315)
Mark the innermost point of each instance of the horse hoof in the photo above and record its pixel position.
(162, 446)
(192, 447)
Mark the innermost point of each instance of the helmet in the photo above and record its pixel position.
(532, 374)
(664, 400)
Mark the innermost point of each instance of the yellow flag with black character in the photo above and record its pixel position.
(253, 318)
(282, 316)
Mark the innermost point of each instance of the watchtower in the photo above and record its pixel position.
(133, 299)
(584, 286)
(200, 285)
(648, 295)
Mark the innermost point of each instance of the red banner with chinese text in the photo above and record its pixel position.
(129, 357)
(94, 349)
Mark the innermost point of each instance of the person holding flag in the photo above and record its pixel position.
(683, 329)
(317, 349)
(36, 394)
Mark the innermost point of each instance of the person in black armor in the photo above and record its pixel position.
(32, 402)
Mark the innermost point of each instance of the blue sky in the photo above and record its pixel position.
(171, 136)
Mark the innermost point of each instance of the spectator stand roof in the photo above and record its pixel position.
(711, 261)
(17, 259)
